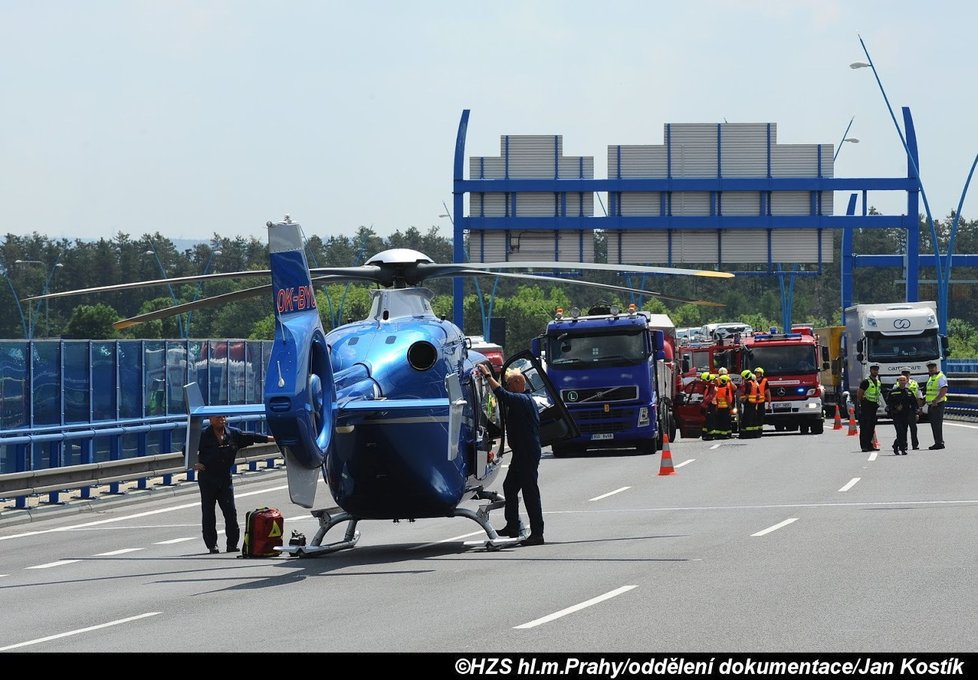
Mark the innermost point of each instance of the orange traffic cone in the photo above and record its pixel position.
(666, 468)
(853, 431)
(838, 419)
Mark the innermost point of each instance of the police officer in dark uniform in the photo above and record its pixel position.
(902, 407)
(523, 427)
(219, 444)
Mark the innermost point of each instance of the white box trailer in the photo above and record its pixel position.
(894, 335)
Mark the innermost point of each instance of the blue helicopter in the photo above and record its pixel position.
(386, 409)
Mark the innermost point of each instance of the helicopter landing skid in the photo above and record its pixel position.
(481, 516)
(326, 522)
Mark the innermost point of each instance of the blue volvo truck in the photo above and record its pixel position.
(616, 373)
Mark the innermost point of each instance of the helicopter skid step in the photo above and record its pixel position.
(315, 550)
(493, 544)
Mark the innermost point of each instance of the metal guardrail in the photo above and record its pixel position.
(962, 397)
(35, 482)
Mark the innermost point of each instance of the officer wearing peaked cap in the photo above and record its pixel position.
(869, 397)
(935, 397)
(914, 389)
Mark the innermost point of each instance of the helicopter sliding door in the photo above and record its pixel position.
(556, 422)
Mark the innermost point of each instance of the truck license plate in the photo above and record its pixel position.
(602, 435)
(782, 407)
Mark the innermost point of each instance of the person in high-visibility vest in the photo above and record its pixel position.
(935, 397)
(915, 390)
(724, 400)
(751, 418)
(710, 422)
(869, 396)
(764, 398)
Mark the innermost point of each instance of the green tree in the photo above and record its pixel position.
(92, 322)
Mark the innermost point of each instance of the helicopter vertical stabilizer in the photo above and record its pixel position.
(300, 397)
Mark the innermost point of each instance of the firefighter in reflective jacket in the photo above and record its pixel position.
(724, 401)
(751, 418)
(764, 398)
(708, 402)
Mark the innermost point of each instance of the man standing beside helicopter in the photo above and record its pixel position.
(219, 444)
(523, 428)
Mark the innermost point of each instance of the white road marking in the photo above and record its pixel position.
(970, 427)
(59, 563)
(576, 607)
(449, 540)
(177, 540)
(851, 483)
(715, 446)
(776, 526)
(873, 456)
(148, 513)
(299, 518)
(77, 632)
(610, 493)
(685, 462)
(118, 552)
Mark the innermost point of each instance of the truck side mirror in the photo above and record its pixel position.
(685, 364)
(945, 346)
(859, 347)
(825, 354)
(535, 346)
(825, 365)
(859, 357)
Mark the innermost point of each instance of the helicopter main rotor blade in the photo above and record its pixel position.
(155, 282)
(224, 298)
(433, 270)
(555, 279)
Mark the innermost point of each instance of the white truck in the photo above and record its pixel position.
(894, 335)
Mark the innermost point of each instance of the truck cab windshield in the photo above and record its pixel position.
(784, 359)
(605, 349)
(908, 349)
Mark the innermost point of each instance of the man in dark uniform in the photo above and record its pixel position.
(523, 428)
(219, 444)
(869, 396)
(902, 407)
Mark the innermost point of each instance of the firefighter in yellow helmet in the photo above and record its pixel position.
(751, 417)
(764, 398)
(709, 405)
(724, 401)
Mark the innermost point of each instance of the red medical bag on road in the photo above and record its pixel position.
(263, 531)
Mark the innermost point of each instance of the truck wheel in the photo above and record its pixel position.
(817, 426)
(562, 450)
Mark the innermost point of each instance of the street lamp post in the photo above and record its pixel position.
(941, 281)
(13, 291)
(47, 303)
(173, 296)
(30, 307)
(845, 139)
(207, 266)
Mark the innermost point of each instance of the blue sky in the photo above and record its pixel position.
(194, 117)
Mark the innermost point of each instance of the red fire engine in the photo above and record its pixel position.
(791, 362)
